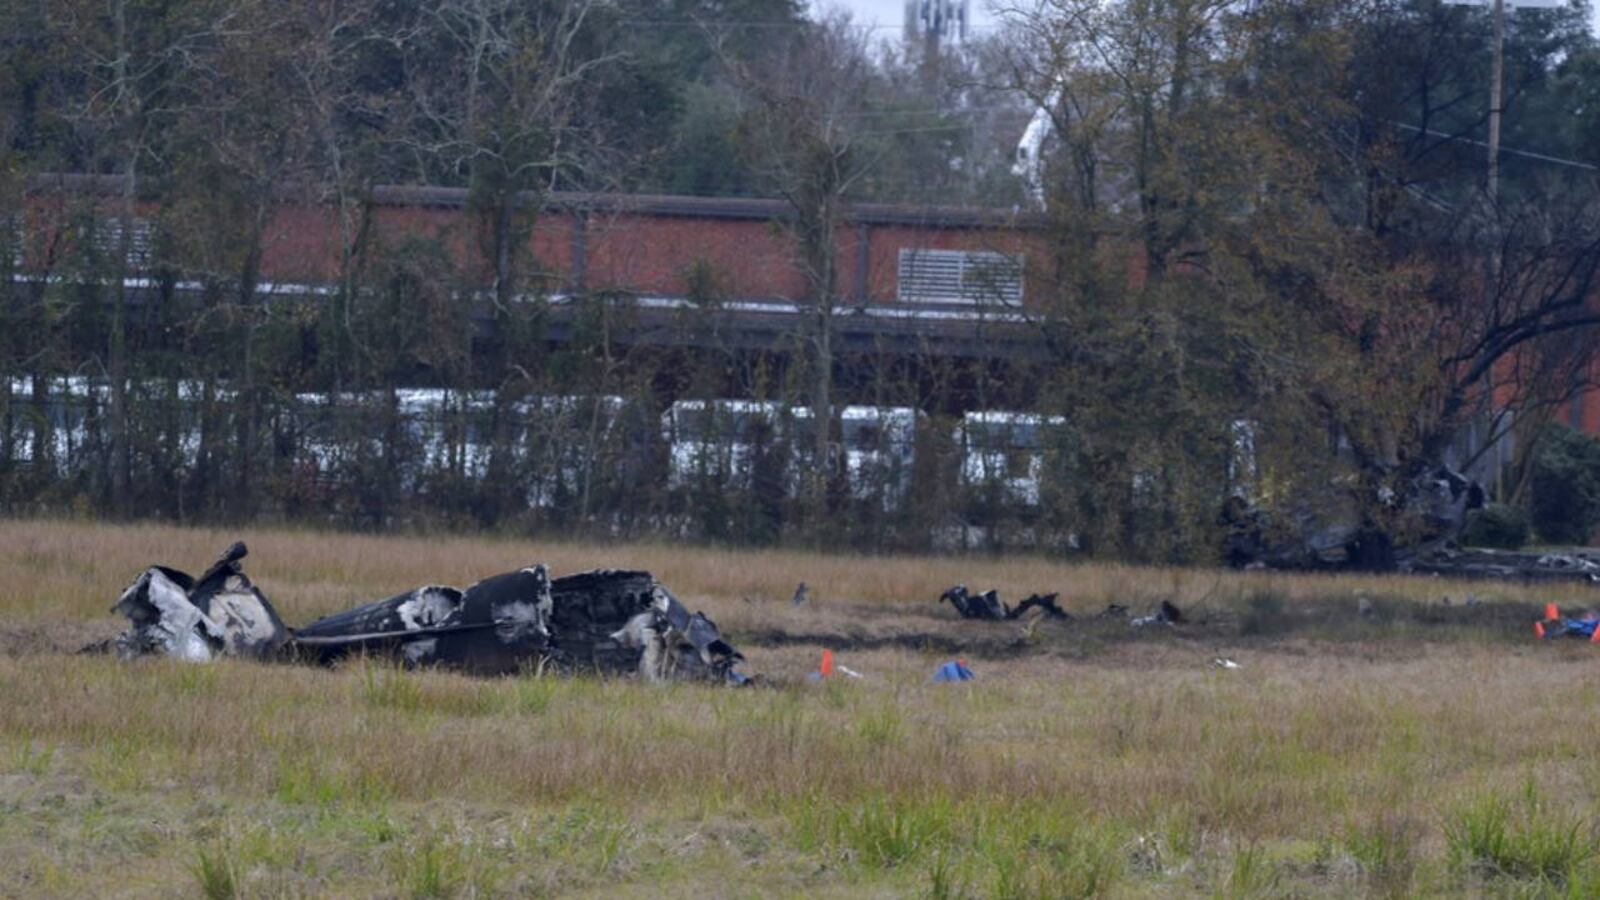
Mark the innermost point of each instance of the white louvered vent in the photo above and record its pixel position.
(108, 237)
(16, 239)
(960, 276)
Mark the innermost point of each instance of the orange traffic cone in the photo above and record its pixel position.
(1538, 629)
(826, 668)
(1594, 636)
(1552, 612)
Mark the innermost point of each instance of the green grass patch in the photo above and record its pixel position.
(389, 687)
(1386, 850)
(31, 757)
(216, 872)
(1494, 837)
(325, 784)
(970, 848)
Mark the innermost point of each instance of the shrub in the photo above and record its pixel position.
(217, 871)
(1497, 525)
(1566, 485)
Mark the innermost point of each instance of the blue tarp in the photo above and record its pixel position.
(1580, 627)
(953, 671)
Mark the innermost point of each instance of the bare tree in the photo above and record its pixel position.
(136, 66)
(497, 92)
(803, 128)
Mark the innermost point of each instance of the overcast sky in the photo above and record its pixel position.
(886, 17)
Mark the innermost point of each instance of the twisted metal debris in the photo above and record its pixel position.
(605, 621)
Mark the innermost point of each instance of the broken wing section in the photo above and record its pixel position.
(428, 608)
(496, 626)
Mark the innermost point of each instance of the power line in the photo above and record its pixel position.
(951, 127)
(958, 111)
(1542, 157)
(691, 23)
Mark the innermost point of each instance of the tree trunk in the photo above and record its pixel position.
(818, 248)
(117, 364)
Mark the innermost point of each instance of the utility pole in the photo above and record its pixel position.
(1497, 78)
(1491, 188)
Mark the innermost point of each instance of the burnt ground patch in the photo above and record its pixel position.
(1255, 619)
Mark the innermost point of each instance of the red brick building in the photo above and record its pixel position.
(933, 280)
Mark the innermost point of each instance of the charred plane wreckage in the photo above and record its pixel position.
(609, 621)
(605, 622)
(988, 606)
(1427, 514)
(1431, 514)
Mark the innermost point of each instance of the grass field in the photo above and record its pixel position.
(1432, 749)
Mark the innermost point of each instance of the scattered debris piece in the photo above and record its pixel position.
(1364, 608)
(219, 614)
(1114, 611)
(1045, 603)
(1166, 614)
(1507, 564)
(801, 594)
(955, 670)
(989, 607)
(985, 606)
(1223, 662)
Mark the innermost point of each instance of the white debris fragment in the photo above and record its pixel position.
(164, 621)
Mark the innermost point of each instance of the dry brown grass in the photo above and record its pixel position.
(56, 570)
(1332, 764)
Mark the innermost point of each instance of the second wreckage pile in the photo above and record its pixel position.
(605, 621)
(988, 607)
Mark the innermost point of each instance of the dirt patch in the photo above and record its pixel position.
(34, 638)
